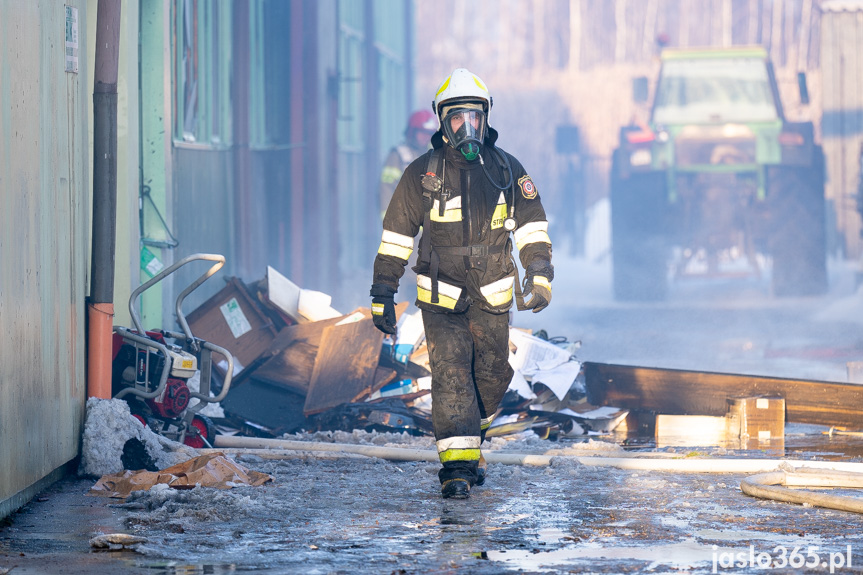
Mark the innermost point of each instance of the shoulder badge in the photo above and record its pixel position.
(528, 190)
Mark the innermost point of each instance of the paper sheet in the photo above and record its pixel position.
(315, 305)
(519, 385)
(534, 354)
(558, 379)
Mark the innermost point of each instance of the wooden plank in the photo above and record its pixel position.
(345, 365)
(682, 392)
(291, 357)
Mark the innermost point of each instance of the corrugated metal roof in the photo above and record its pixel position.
(842, 6)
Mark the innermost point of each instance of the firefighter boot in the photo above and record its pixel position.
(481, 469)
(455, 488)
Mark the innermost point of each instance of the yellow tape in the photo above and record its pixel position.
(459, 455)
(446, 302)
(401, 252)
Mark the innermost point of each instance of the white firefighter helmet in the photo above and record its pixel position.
(460, 86)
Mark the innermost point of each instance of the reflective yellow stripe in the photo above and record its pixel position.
(498, 293)
(377, 309)
(443, 87)
(448, 294)
(500, 298)
(396, 245)
(452, 211)
(424, 295)
(459, 455)
(532, 233)
(534, 238)
(461, 448)
(542, 281)
(395, 251)
(485, 422)
(498, 216)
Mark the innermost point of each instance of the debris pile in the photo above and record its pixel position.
(301, 365)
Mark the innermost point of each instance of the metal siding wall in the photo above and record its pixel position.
(322, 180)
(155, 123)
(391, 41)
(842, 122)
(203, 196)
(203, 219)
(352, 169)
(43, 245)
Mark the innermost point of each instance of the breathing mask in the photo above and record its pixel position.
(464, 126)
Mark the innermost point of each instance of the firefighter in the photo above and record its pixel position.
(472, 201)
(421, 125)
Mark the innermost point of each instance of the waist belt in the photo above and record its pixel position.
(470, 251)
(476, 251)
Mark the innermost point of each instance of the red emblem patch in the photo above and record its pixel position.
(528, 190)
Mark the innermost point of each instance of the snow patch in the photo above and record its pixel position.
(108, 426)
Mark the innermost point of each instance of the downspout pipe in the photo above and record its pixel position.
(100, 304)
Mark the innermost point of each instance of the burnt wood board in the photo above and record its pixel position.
(290, 360)
(346, 366)
(680, 392)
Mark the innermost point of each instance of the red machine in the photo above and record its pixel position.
(151, 369)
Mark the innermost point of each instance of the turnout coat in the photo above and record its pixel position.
(465, 252)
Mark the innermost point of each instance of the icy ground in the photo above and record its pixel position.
(362, 515)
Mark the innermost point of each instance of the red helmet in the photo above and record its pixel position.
(423, 120)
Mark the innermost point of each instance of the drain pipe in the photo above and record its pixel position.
(100, 304)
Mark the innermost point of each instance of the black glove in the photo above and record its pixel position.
(540, 289)
(384, 308)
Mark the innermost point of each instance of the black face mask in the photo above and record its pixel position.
(465, 130)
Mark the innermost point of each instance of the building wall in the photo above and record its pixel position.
(297, 103)
(44, 173)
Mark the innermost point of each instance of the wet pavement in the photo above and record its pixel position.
(372, 516)
(358, 514)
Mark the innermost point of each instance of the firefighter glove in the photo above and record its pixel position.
(384, 308)
(539, 289)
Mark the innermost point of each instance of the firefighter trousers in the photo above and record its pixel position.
(469, 360)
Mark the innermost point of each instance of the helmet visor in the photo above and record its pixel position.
(464, 126)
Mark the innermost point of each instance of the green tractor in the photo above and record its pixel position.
(717, 182)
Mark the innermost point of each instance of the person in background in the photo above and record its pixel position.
(472, 200)
(421, 125)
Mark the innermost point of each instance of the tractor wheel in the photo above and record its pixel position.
(798, 240)
(639, 241)
(203, 434)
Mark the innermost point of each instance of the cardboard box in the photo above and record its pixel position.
(233, 320)
(757, 421)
